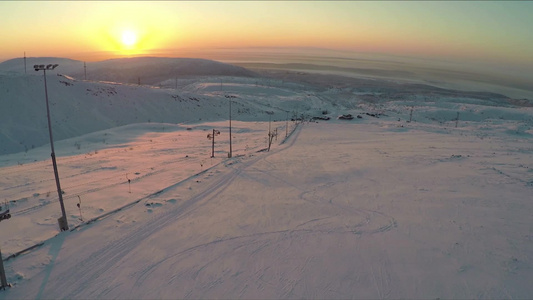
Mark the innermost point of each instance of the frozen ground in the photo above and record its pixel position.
(376, 207)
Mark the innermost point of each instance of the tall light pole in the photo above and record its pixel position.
(230, 149)
(63, 224)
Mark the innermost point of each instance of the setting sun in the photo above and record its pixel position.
(129, 38)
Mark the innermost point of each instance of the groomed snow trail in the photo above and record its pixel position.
(103, 259)
(339, 211)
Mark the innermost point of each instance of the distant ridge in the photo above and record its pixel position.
(148, 70)
(16, 65)
(153, 70)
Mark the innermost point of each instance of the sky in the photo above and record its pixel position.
(496, 33)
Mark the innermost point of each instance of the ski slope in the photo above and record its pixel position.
(338, 211)
(390, 205)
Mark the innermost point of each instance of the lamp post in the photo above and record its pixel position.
(230, 154)
(63, 224)
(230, 149)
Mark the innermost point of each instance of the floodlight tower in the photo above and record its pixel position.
(63, 224)
(230, 154)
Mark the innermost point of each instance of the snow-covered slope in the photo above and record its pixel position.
(79, 107)
(425, 193)
(367, 210)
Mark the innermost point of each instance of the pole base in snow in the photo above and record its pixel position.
(62, 224)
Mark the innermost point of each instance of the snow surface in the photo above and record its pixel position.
(374, 207)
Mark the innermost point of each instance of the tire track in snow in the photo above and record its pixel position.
(107, 257)
(112, 180)
(384, 221)
(110, 254)
(267, 239)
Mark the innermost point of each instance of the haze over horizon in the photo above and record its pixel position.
(489, 32)
(490, 38)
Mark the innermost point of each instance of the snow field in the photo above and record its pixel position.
(375, 207)
(80, 107)
(339, 211)
(151, 156)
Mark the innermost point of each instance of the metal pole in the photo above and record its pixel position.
(25, 63)
(213, 145)
(56, 174)
(269, 120)
(3, 280)
(269, 130)
(85, 70)
(287, 126)
(230, 149)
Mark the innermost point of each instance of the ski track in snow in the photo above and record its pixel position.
(104, 259)
(339, 220)
(437, 212)
(109, 254)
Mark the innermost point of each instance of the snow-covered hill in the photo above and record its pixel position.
(425, 193)
(16, 65)
(370, 209)
(146, 70)
(79, 107)
(154, 70)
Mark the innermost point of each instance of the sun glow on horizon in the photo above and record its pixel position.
(129, 38)
(466, 32)
(125, 38)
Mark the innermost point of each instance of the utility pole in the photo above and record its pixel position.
(212, 138)
(63, 224)
(25, 63)
(85, 70)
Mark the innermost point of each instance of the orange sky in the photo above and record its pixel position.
(487, 32)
